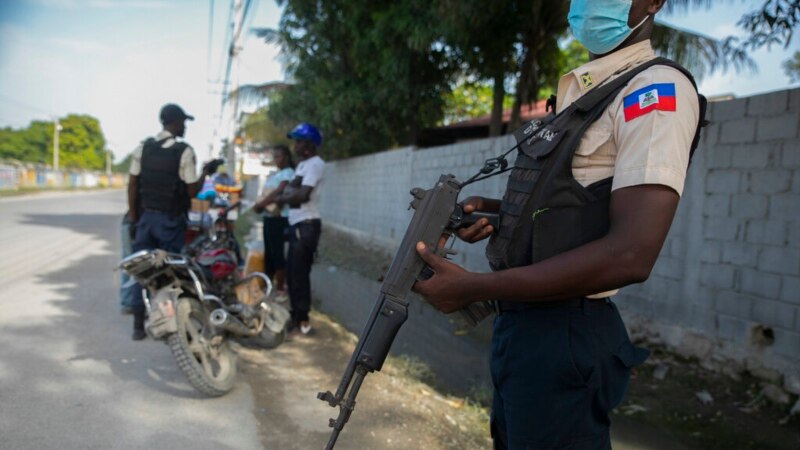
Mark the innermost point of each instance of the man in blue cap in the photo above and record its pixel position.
(302, 196)
(589, 202)
(163, 179)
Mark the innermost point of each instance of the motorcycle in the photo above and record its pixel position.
(198, 304)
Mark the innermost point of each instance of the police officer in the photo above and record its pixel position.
(305, 226)
(589, 202)
(163, 178)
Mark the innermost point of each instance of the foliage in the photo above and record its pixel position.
(469, 100)
(792, 67)
(370, 75)
(123, 166)
(81, 143)
(259, 131)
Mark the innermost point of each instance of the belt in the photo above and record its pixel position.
(308, 222)
(502, 306)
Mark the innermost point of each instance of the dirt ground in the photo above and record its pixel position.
(394, 410)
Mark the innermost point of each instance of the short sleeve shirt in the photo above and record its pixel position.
(635, 148)
(188, 165)
(310, 171)
(275, 179)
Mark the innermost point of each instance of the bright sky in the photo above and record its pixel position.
(120, 60)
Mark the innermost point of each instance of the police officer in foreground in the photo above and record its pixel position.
(163, 179)
(305, 226)
(586, 210)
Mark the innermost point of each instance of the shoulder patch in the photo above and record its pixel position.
(660, 96)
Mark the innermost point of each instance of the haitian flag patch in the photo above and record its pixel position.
(650, 98)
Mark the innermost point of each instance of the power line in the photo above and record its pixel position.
(27, 106)
(210, 37)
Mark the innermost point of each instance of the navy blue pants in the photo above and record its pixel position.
(303, 242)
(558, 372)
(157, 230)
(274, 240)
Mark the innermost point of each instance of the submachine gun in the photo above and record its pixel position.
(436, 213)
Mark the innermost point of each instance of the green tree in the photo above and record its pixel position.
(371, 75)
(470, 99)
(792, 67)
(81, 143)
(259, 130)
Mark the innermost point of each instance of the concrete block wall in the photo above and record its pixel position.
(730, 266)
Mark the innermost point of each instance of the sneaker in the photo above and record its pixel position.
(138, 335)
(305, 328)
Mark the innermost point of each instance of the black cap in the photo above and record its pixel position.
(171, 113)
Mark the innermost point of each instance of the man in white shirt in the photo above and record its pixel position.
(302, 196)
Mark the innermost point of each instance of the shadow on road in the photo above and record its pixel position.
(91, 316)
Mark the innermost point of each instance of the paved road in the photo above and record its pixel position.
(70, 376)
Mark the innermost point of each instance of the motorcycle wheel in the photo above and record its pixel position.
(210, 371)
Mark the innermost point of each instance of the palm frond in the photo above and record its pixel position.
(701, 55)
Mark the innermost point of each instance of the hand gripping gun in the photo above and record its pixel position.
(436, 213)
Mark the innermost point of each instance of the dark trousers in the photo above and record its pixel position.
(303, 241)
(557, 373)
(157, 230)
(274, 240)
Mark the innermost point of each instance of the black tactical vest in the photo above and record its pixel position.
(160, 184)
(545, 211)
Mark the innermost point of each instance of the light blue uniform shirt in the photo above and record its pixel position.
(275, 179)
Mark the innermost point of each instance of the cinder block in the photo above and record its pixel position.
(793, 236)
(711, 251)
(773, 314)
(738, 131)
(739, 254)
(768, 181)
(790, 289)
(770, 104)
(709, 136)
(721, 228)
(760, 284)
(717, 205)
(717, 156)
(749, 206)
(796, 182)
(790, 154)
(723, 181)
(794, 100)
(733, 304)
(717, 276)
(787, 343)
(669, 268)
(756, 156)
(728, 110)
(779, 260)
(677, 247)
(733, 329)
(703, 320)
(771, 232)
(784, 126)
(784, 207)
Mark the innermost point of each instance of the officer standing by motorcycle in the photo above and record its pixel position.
(588, 205)
(305, 226)
(163, 179)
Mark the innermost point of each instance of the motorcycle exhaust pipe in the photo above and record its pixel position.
(221, 319)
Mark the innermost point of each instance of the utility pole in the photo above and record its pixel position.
(56, 129)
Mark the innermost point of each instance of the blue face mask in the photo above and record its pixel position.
(600, 25)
